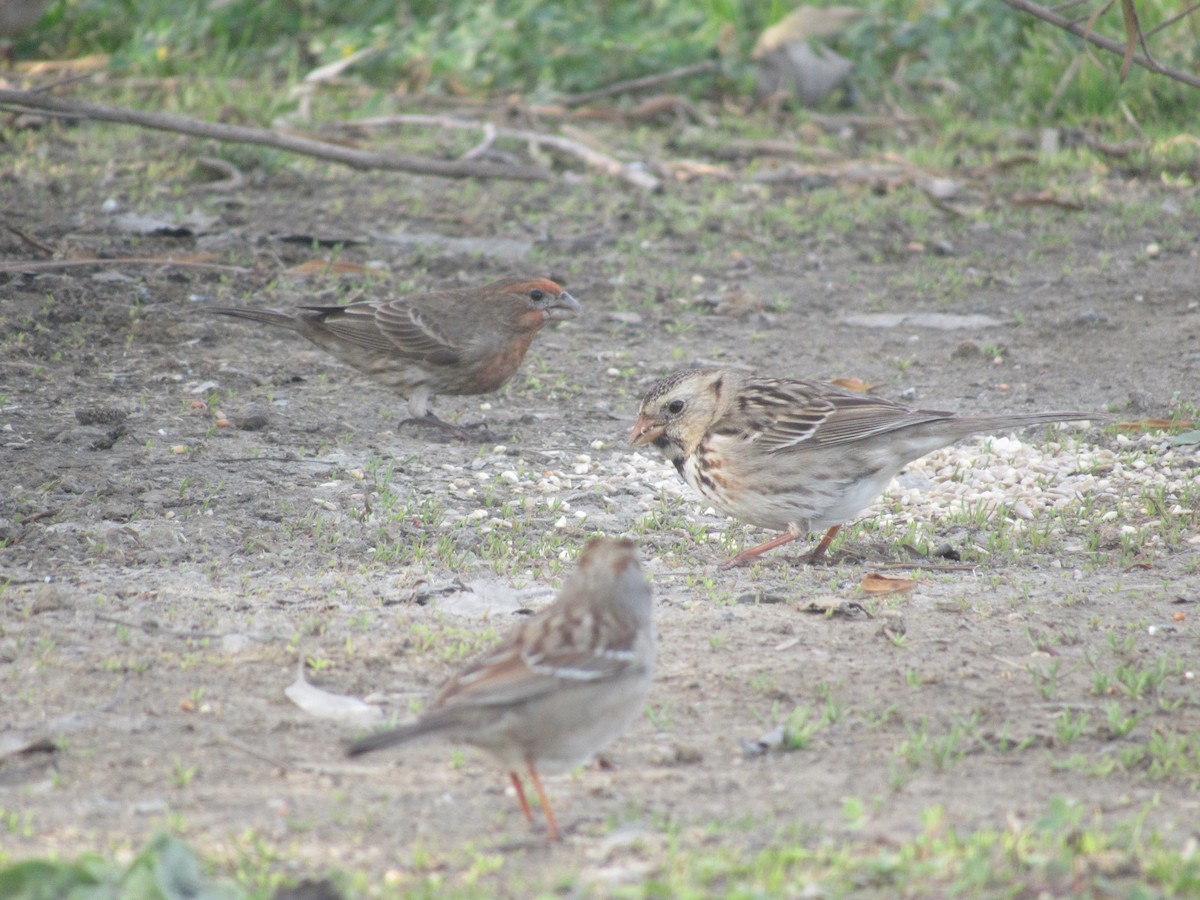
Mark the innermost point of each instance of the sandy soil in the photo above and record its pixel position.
(160, 573)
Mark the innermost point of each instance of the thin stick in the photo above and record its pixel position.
(594, 158)
(257, 754)
(56, 264)
(1116, 47)
(637, 84)
(1171, 21)
(151, 627)
(356, 159)
(37, 245)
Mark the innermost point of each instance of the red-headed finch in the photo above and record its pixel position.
(463, 341)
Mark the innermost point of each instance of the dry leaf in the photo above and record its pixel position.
(688, 170)
(1156, 425)
(66, 67)
(325, 267)
(1043, 199)
(325, 705)
(1187, 439)
(190, 259)
(1133, 34)
(874, 583)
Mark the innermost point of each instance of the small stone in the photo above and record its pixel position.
(626, 318)
(100, 415)
(252, 418)
(47, 599)
(1090, 318)
(738, 304)
(966, 350)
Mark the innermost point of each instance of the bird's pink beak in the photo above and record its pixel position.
(645, 430)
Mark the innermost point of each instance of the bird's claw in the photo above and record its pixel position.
(476, 433)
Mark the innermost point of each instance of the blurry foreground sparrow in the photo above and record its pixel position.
(468, 341)
(563, 685)
(794, 455)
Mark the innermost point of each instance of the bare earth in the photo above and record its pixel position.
(161, 574)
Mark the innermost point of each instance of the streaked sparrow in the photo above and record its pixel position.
(792, 455)
(564, 684)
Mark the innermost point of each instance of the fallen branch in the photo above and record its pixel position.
(357, 159)
(37, 245)
(54, 265)
(596, 159)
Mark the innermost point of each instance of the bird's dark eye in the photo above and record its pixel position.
(536, 296)
(675, 407)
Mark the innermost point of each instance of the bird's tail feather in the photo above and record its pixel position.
(268, 316)
(401, 735)
(1018, 420)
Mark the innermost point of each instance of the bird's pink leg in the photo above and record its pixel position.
(819, 550)
(516, 783)
(786, 538)
(754, 552)
(551, 823)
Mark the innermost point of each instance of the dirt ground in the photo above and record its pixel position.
(161, 574)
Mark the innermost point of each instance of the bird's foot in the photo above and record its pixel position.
(813, 557)
(477, 433)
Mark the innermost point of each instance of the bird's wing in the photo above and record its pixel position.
(548, 654)
(413, 332)
(782, 415)
(498, 680)
(353, 323)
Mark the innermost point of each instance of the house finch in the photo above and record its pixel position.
(468, 341)
(794, 455)
(564, 684)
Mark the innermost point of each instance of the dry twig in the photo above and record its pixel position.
(357, 159)
(638, 84)
(1085, 32)
(55, 265)
(593, 158)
